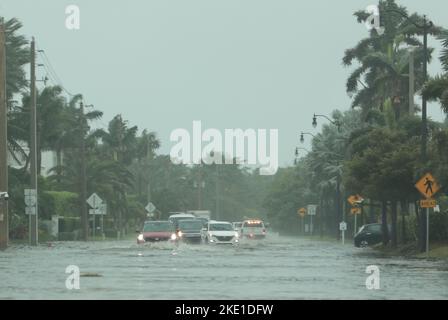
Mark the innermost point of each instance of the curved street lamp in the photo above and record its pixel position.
(335, 122)
(302, 139)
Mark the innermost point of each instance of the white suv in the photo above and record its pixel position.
(220, 232)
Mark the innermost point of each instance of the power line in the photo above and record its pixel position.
(52, 72)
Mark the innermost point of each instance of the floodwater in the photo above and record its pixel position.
(274, 268)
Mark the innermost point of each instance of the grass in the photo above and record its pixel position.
(410, 250)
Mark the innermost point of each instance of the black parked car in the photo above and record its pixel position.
(369, 235)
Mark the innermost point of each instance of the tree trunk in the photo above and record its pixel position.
(384, 227)
(339, 209)
(58, 166)
(404, 208)
(321, 217)
(394, 224)
(372, 218)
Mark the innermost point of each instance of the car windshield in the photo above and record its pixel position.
(190, 225)
(177, 219)
(221, 227)
(164, 226)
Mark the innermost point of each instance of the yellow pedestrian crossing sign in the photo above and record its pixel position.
(302, 212)
(428, 186)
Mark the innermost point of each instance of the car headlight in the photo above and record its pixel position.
(237, 235)
(173, 237)
(140, 237)
(180, 234)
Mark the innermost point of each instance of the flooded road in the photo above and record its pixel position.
(275, 268)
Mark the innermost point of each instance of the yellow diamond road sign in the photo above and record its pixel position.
(355, 199)
(428, 186)
(302, 212)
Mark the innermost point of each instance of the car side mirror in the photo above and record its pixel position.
(137, 231)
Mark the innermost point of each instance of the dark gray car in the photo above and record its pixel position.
(191, 230)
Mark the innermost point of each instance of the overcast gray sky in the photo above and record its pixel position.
(230, 63)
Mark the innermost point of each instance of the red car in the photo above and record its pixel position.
(155, 231)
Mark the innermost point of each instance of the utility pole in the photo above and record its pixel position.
(199, 184)
(217, 191)
(84, 217)
(4, 232)
(411, 82)
(424, 227)
(33, 218)
(148, 159)
(424, 100)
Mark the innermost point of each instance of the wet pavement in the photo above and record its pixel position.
(274, 268)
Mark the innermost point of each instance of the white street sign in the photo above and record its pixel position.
(30, 192)
(94, 201)
(343, 226)
(30, 201)
(100, 211)
(30, 211)
(312, 208)
(30, 197)
(94, 211)
(150, 207)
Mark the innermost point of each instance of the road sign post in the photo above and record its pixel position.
(95, 202)
(428, 187)
(343, 228)
(356, 202)
(302, 214)
(312, 209)
(31, 211)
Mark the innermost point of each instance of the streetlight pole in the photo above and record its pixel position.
(83, 187)
(4, 232)
(302, 134)
(424, 100)
(33, 218)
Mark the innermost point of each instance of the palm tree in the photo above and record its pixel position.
(17, 56)
(384, 59)
(120, 140)
(147, 144)
(436, 89)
